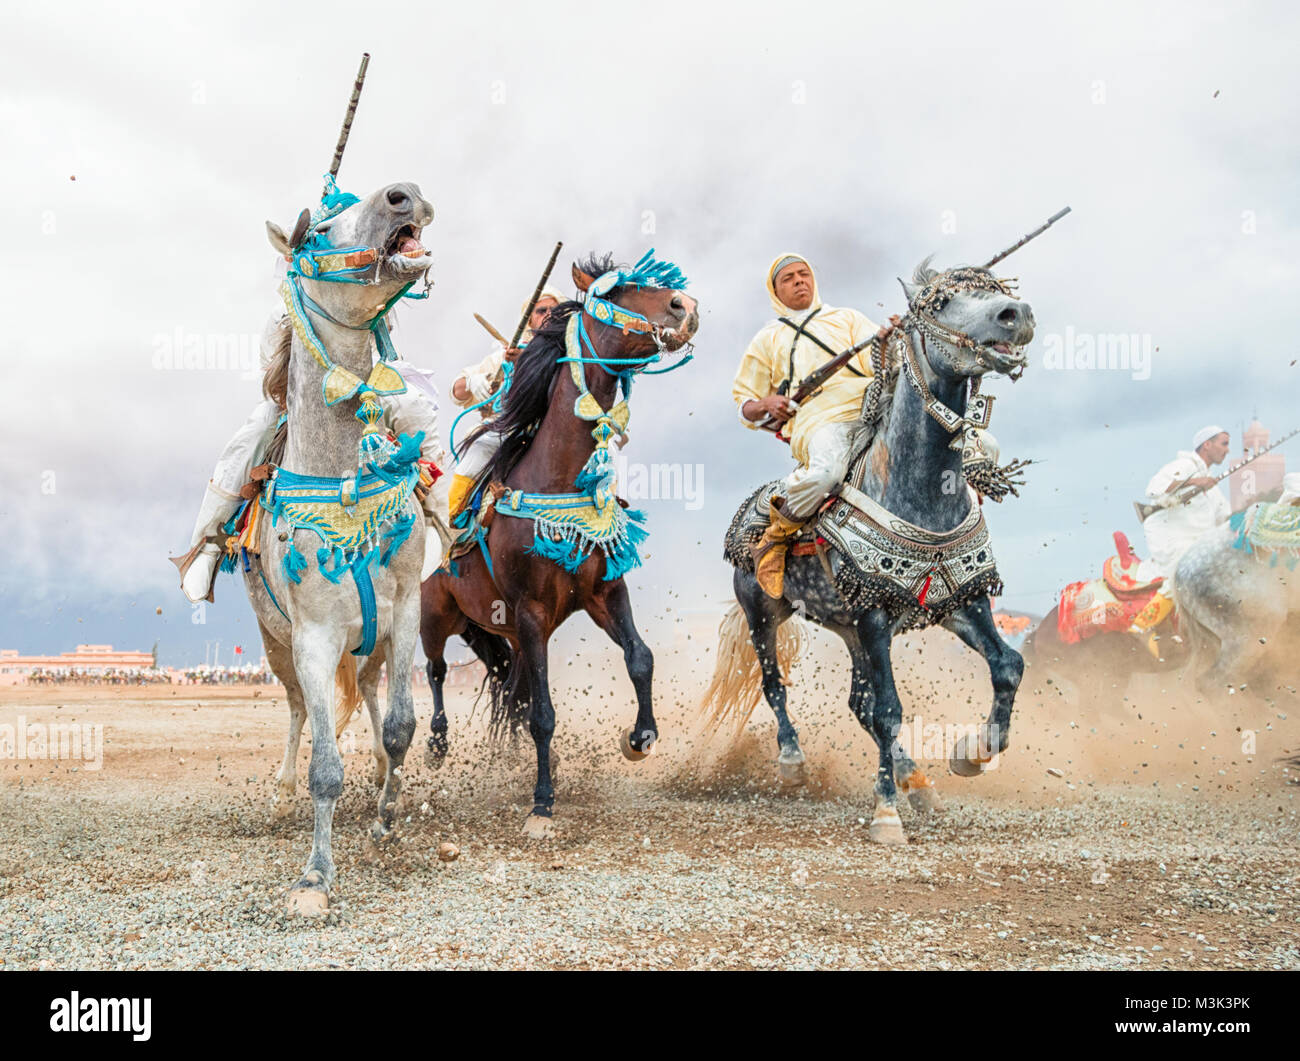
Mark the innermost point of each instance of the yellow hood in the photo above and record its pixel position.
(782, 310)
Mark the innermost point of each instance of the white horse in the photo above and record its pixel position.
(1235, 595)
(336, 589)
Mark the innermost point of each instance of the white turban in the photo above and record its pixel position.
(1205, 434)
(1290, 488)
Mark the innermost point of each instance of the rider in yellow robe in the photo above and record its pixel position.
(805, 335)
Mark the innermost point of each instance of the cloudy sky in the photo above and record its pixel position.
(146, 144)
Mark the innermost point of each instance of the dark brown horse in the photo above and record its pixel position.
(507, 614)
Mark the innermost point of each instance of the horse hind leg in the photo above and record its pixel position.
(286, 778)
(368, 680)
(399, 721)
(534, 633)
(886, 712)
(765, 617)
(435, 751)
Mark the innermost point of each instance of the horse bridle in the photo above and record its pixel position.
(935, 295)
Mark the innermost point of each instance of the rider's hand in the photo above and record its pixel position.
(1201, 482)
(511, 353)
(777, 406)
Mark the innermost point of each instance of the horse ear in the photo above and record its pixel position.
(278, 239)
(910, 290)
(300, 229)
(582, 280)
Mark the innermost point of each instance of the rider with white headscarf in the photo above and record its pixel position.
(479, 383)
(1173, 530)
(805, 335)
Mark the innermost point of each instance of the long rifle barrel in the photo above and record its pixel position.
(1025, 239)
(347, 118)
(537, 294)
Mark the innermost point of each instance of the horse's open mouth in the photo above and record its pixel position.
(1005, 357)
(405, 242)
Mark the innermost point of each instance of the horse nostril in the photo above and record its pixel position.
(1009, 316)
(397, 197)
(677, 305)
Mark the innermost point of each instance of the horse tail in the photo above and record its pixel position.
(737, 681)
(347, 693)
(504, 710)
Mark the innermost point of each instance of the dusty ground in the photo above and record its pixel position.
(1159, 845)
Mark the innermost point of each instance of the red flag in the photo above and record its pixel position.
(239, 650)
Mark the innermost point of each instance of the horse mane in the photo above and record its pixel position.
(275, 377)
(529, 396)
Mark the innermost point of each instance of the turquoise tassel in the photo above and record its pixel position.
(293, 563)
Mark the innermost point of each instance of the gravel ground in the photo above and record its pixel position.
(167, 857)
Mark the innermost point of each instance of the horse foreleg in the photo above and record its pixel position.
(316, 653)
(765, 617)
(886, 717)
(399, 722)
(534, 633)
(612, 612)
(974, 625)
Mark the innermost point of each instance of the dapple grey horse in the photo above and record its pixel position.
(1233, 606)
(913, 472)
(310, 627)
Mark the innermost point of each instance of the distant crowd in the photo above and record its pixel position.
(249, 674)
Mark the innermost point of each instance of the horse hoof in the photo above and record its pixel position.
(281, 808)
(962, 762)
(921, 793)
(886, 827)
(924, 799)
(435, 752)
(792, 772)
(538, 827)
(631, 754)
(307, 900)
(379, 776)
(381, 833)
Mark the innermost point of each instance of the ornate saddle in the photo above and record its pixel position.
(874, 557)
(1110, 604)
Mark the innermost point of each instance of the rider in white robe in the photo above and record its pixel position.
(1173, 530)
(414, 410)
(475, 386)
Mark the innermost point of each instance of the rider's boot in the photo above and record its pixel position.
(459, 494)
(769, 552)
(1148, 620)
(198, 567)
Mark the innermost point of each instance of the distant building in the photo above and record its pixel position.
(88, 659)
(1261, 480)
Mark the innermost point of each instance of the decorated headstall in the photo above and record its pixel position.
(313, 258)
(978, 449)
(646, 273)
(934, 296)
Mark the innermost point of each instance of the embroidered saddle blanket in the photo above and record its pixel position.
(1270, 527)
(921, 576)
